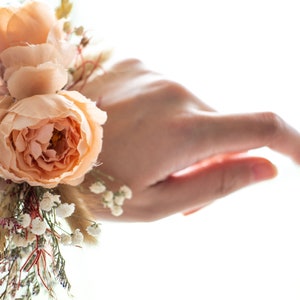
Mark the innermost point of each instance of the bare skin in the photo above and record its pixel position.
(156, 128)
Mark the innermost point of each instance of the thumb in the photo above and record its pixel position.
(205, 183)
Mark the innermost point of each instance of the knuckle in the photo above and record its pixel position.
(127, 65)
(171, 89)
(273, 125)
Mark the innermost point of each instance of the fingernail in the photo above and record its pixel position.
(192, 211)
(264, 171)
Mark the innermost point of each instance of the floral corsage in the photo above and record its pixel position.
(50, 136)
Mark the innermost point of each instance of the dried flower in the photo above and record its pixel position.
(119, 200)
(24, 220)
(64, 9)
(38, 226)
(50, 135)
(65, 210)
(65, 239)
(117, 210)
(126, 191)
(97, 187)
(77, 238)
(94, 229)
(79, 30)
(49, 201)
(107, 197)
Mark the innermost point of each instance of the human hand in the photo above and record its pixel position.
(156, 128)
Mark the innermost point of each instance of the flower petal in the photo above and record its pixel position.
(5, 14)
(30, 24)
(44, 79)
(33, 55)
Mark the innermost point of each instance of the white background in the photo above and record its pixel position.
(237, 56)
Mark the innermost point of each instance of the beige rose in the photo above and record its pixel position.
(49, 139)
(28, 24)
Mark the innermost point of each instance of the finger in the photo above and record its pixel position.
(242, 132)
(206, 183)
(210, 161)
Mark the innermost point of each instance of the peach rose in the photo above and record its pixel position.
(35, 69)
(28, 24)
(34, 54)
(49, 139)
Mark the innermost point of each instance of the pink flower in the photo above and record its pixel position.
(49, 139)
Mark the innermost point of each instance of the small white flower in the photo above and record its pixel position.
(117, 211)
(77, 238)
(24, 220)
(119, 200)
(97, 187)
(108, 196)
(107, 199)
(49, 201)
(126, 191)
(65, 239)
(109, 204)
(38, 226)
(94, 229)
(65, 210)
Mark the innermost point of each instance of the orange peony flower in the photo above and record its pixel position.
(49, 139)
(28, 24)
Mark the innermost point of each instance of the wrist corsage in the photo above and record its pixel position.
(50, 138)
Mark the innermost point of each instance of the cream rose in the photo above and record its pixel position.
(50, 139)
(28, 24)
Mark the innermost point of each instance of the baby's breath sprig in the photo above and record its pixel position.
(31, 259)
(113, 200)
